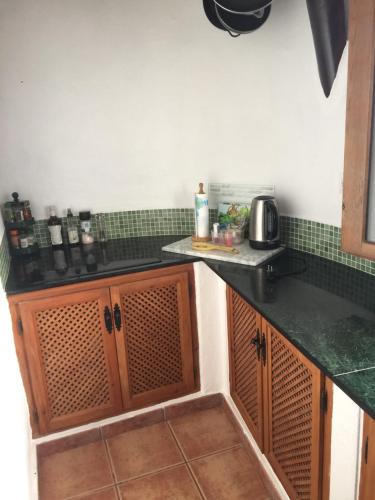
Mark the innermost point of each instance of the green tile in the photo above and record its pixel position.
(320, 239)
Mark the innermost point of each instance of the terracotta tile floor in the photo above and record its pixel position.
(194, 456)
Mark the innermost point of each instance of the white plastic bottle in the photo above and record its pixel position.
(201, 213)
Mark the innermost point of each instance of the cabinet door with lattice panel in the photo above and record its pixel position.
(246, 380)
(294, 446)
(154, 338)
(71, 358)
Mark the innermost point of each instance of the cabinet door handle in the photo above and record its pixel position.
(108, 319)
(255, 341)
(263, 347)
(117, 316)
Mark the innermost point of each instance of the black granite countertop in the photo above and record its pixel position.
(325, 309)
(63, 266)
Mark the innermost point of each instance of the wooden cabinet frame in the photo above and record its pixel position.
(104, 287)
(359, 123)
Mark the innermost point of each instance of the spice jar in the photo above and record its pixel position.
(26, 210)
(30, 239)
(14, 238)
(85, 218)
(24, 243)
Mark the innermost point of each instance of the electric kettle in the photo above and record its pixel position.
(264, 225)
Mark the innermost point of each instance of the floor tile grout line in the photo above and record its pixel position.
(179, 446)
(118, 493)
(152, 473)
(94, 490)
(190, 472)
(195, 480)
(111, 463)
(355, 371)
(217, 452)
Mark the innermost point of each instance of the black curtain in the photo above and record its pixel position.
(328, 19)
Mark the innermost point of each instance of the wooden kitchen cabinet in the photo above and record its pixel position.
(71, 358)
(246, 372)
(99, 348)
(367, 487)
(279, 393)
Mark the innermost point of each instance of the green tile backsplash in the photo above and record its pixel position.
(322, 240)
(136, 223)
(312, 237)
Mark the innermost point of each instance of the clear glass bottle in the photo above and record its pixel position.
(101, 228)
(54, 226)
(59, 261)
(87, 238)
(73, 234)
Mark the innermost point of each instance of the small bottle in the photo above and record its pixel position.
(59, 261)
(54, 226)
(87, 237)
(73, 235)
(24, 243)
(101, 229)
(30, 239)
(85, 218)
(215, 233)
(26, 210)
(14, 238)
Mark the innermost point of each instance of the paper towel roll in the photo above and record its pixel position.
(201, 214)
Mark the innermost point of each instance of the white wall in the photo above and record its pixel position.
(117, 104)
(345, 446)
(15, 458)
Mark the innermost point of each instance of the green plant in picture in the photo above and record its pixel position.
(233, 213)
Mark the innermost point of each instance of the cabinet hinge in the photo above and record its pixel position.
(20, 327)
(324, 401)
(366, 450)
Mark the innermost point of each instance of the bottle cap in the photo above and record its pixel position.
(201, 188)
(52, 211)
(85, 215)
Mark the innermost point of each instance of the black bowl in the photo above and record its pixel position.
(242, 6)
(236, 23)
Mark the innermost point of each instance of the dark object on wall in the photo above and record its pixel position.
(237, 23)
(328, 19)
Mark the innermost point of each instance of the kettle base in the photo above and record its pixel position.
(264, 245)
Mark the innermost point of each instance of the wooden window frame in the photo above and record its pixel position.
(359, 128)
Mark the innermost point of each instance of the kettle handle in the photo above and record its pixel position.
(271, 221)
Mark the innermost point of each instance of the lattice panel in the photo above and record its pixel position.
(245, 362)
(152, 335)
(73, 358)
(292, 416)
